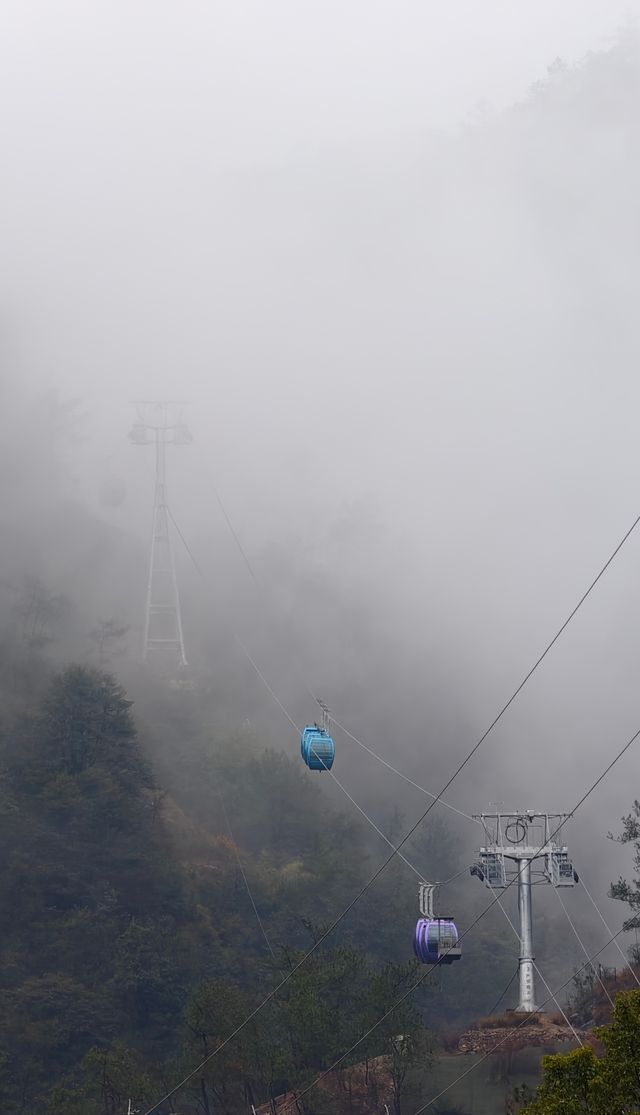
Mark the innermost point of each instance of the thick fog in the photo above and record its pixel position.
(388, 255)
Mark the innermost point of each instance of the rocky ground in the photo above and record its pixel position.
(515, 1031)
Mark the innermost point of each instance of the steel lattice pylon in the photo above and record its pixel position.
(159, 424)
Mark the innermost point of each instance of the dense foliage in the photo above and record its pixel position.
(130, 945)
(130, 948)
(584, 1083)
(629, 892)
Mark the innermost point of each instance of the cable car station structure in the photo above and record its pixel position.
(522, 846)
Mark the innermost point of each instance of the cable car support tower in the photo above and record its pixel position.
(522, 846)
(160, 424)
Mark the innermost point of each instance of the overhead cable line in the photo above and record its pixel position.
(623, 954)
(399, 773)
(373, 824)
(185, 543)
(243, 554)
(463, 871)
(245, 879)
(266, 683)
(503, 993)
(239, 641)
(227, 518)
(337, 921)
(386, 839)
(582, 944)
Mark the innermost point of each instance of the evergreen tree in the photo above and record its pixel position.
(582, 1083)
(622, 889)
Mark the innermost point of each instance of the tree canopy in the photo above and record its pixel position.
(585, 1083)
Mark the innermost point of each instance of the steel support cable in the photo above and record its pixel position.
(234, 534)
(503, 993)
(373, 824)
(582, 944)
(624, 956)
(515, 1029)
(475, 922)
(266, 683)
(239, 641)
(559, 1006)
(244, 556)
(246, 881)
(463, 871)
(411, 831)
(399, 773)
(386, 839)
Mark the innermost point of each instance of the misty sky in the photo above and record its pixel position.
(404, 313)
(150, 123)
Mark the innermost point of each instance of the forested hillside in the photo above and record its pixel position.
(147, 908)
(129, 942)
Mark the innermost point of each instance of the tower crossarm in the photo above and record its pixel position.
(523, 851)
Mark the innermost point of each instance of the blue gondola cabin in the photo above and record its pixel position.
(317, 748)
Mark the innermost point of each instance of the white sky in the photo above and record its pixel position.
(266, 75)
